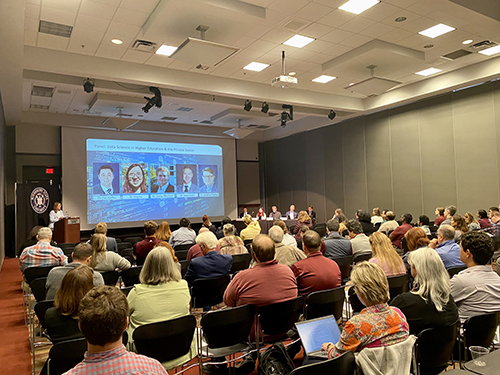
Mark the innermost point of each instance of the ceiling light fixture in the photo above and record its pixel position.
(468, 41)
(358, 6)
(435, 31)
(88, 85)
(324, 79)
(400, 19)
(490, 51)
(265, 107)
(116, 41)
(298, 41)
(332, 114)
(256, 66)
(248, 105)
(292, 73)
(166, 50)
(428, 72)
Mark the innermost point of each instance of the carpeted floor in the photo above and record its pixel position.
(15, 349)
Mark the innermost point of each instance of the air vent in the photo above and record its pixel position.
(168, 118)
(38, 106)
(55, 29)
(64, 92)
(44, 91)
(207, 122)
(483, 44)
(143, 46)
(184, 109)
(457, 54)
(294, 25)
(124, 115)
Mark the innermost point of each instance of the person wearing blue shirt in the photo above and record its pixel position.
(446, 247)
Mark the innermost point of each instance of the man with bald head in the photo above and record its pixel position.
(284, 254)
(446, 247)
(195, 250)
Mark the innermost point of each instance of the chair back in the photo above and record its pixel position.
(165, 340)
(184, 266)
(344, 264)
(240, 262)
(228, 327)
(66, 245)
(398, 284)
(434, 348)
(133, 240)
(344, 364)
(246, 242)
(38, 288)
(356, 304)
(130, 277)
(65, 355)
(186, 246)
(454, 270)
(404, 245)
(480, 330)
(320, 228)
(376, 226)
(279, 318)
(181, 254)
(124, 245)
(33, 273)
(110, 277)
(362, 256)
(40, 309)
(208, 291)
(325, 302)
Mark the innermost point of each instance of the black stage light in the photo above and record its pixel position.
(332, 114)
(248, 105)
(155, 101)
(88, 85)
(265, 107)
(284, 117)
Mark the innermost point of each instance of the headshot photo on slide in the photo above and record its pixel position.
(135, 178)
(160, 178)
(105, 179)
(186, 178)
(208, 179)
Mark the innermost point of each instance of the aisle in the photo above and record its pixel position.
(14, 348)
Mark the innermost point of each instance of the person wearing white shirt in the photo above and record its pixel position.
(55, 215)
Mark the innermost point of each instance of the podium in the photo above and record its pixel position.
(67, 230)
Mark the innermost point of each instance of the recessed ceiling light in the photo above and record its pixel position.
(352, 83)
(117, 41)
(400, 19)
(358, 6)
(468, 41)
(490, 51)
(292, 73)
(256, 66)
(437, 30)
(324, 79)
(428, 72)
(298, 41)
(166, 50)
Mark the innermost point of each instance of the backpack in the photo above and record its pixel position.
(275, 361)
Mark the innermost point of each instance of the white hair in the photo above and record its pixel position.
(44, 233)
(276, 234)
(208, 239)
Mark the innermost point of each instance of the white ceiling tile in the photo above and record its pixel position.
(136, 56)
(270, 58)
(258, 32)
(331, 3)
(130, 17)
(273, 18)
(319, 58)
(314, 11)
(110, 51)
(122, 29)
(144, 6)
(30, 37)
(336, 18)
(179, 65)
(66, 5)
(357, 24)
(92, 23)
(244, 42)
(99, 10)
(395, 35)
(316, 30)
(288, 7)
(32, 11)
(410, 17)
(337, 50)
(278, 36)
(377, 30)
(52, 42)
(84, 36)
(473, 29)
(36, 2)
(243, 74)
(248, 55)
(277, 51)
(421, 7)
(355, 41)
(159, 60)
(302, 54)
(337, 36)
(57, 16)
(31, 25)
(308, 66)
(113, 3)
(418, 25)
(84, 46)
(381, 11)
(414, 40)
(319, 46)
(401, 3)
(457, 22)
(440, 16)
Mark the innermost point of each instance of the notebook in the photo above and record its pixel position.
(315, 332)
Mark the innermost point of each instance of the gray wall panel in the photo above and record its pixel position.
(298, 163)
(287, 177)
(248, 183)
(333, 162)
(315, 176)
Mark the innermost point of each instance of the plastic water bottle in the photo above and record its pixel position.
(67, 215)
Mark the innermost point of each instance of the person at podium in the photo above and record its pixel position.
(55, 215)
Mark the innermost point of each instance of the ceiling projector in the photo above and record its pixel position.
(283, 80)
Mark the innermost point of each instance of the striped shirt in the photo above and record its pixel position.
(42, 255)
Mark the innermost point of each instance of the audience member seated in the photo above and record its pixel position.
(172, 252)
(376, 216)
(163, 232)
(342, 219)
(415, 239)
(458, 223)
(103, 316)
(32, 240)
(142, 248)
(288, 239)
(103, 260)
(338, 211)
(366, 222)
(316, 272)
(471, 221)
(220, 230)
(439, 216)
(161, 295)
(335, 245)
(429, 304)
(208, 224)
(261, 215)
(378, 324)
(195, 250)
(494, 229)
(390, 224)
(287, 255)
(359, 240)
(61, 320)
(302, 231)
(102, 228)
(231, 244)
(483, 221)
(492, 210)
(424, 222)
(303, 220)
(252, 230)
(211, 264)
(184, 235)
(81, 255)
(385, 256)
(476, 290)
(43, 254)
(400, 231)
(446, 247)
(449, 212)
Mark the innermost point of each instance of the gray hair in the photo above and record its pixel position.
(44, 233)
(333, 225)
(354, 226)
(159, 267)
(447, 231)
(432, 279)
(228, 229)
(208, 239)
(452, 210)
(276, 234)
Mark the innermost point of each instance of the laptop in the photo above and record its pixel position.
(315, 332)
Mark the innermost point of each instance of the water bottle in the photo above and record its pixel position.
(67, 215)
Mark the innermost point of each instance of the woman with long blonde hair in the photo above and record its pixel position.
(103, 260)
(385, 255)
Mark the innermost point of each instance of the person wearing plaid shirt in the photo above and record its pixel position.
(103, 316)
(494, 230)
(42, 254)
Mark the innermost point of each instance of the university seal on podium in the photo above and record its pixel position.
(39, 199)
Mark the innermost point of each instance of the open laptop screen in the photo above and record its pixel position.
(315, 332)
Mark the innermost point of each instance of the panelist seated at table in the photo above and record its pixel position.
(244, 213)
(275, 214)
(292, 214)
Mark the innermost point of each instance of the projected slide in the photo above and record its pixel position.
(135, 180)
